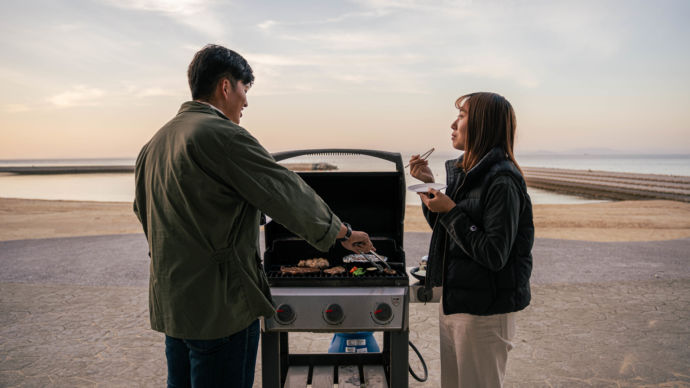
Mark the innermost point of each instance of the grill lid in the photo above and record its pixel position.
(372, 201)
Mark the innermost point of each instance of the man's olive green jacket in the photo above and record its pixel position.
(201, 183)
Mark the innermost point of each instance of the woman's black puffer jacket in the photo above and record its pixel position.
(480, 250)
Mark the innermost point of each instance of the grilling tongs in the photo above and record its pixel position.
(372, 262)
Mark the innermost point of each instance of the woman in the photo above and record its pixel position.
(481, 243)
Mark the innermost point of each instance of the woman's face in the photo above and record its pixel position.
(459, 128)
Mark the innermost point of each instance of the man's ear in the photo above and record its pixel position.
(225, 86)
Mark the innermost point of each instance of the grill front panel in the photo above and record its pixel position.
(359, 307)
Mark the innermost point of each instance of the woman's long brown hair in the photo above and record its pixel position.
(490, 123)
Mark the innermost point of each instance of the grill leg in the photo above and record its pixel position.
(398, 358)
(274, 349)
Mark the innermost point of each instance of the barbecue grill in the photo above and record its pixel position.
(372, 201)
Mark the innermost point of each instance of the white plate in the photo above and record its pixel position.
(424, 187)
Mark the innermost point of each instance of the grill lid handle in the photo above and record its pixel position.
(393, 157)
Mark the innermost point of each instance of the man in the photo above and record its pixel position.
(201, 183)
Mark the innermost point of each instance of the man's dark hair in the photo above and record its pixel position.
(213, 63)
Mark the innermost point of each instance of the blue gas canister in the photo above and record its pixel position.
(360, 342)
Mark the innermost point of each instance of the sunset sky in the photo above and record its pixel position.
(96, 78)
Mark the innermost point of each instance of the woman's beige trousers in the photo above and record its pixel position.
(474, 349)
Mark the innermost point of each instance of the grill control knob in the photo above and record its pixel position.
(284, 314)
(333, 314)
(382, 314)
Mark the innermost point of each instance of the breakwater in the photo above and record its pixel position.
(106, 169)
(609, 185)
(51, 170)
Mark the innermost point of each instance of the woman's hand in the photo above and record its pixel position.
(419, 168)
(436, 201)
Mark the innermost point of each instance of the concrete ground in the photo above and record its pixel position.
(73, 312)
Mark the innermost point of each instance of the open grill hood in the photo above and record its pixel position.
(372, 201)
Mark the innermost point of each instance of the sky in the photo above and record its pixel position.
(97, 78)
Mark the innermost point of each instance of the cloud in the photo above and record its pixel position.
(192, 13)
(267, 24)
(392, 4)
(169, 6)
(155, 92)
(499, 69)
(271, 24)
(79, 95)
(334, 73)
(281, 60)
(444, 7)
(69, 27)
(16, 108)
(352, 40)
(523, 44)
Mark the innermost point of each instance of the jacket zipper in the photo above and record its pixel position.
(453, 198)
(445, 242)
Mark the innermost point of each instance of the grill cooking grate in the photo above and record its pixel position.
(323, 275)
(321, 279)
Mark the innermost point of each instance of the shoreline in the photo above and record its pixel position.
(638, 220)
(587, 183)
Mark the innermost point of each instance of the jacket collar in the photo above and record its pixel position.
(200, 107)
(492, 157)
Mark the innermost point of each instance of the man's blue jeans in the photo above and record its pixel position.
(223, 362)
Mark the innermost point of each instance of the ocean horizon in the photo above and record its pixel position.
(667, 164)
(119, 187)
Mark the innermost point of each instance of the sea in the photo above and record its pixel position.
(119, 187)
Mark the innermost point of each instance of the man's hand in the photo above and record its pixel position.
(358, 242)
(436, 201)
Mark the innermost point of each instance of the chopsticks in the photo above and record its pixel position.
(423, 156)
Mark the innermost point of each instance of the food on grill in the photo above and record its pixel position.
(318, 263)
(370, 269)
(389, 271)
(298, 270)
(359, 258)
(358, 271)
(335, 270)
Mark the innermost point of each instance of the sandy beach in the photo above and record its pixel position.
(610, 297)
(652, 220)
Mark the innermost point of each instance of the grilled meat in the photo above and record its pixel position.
(298, 270)
(360, 258)
(335, 270)
(319, 263)
(389, 271)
